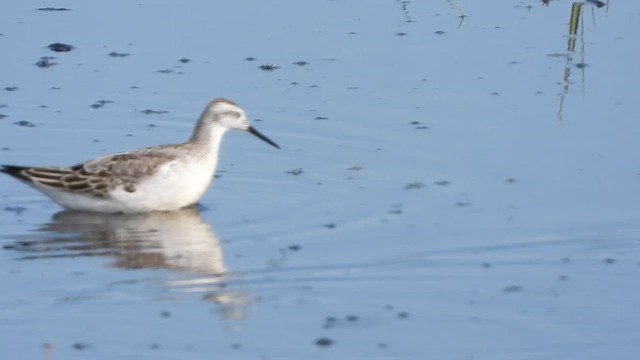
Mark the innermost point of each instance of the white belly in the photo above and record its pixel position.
(174, 186)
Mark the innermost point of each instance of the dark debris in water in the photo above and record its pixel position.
(418, 125)
(513, 289)
(153, 112)
(165, 71)
(330, 226)
(268, 67)
(442, 183)
(324, 342)
(53, 9)
(24, 123)
(352, 318)
(2, 116)
(402, 315)
(11, 88)
(46, 62)
(320, 118)
(331, 322)
(414, 185)
(15, 209)
(294, 172)
(80, 346)
(300, 63)
(401, 34)
(581, 65)
(118, 55)
(100, 103)
(184, 60)
(294, 247)
(440, 32)
(250, 58)
(60, 47)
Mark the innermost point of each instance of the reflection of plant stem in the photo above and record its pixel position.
(574, 23)
(461, 16)
(459, 8)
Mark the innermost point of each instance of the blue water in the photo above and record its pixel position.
(455, 182)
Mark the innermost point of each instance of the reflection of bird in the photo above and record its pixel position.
(177, 240)
(165, 177)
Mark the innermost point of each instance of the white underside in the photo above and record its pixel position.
(175, 185)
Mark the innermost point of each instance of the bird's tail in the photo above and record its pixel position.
(15, 171)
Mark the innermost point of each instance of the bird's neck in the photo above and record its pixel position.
(206, 139)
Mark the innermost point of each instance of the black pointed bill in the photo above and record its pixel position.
(255, 132)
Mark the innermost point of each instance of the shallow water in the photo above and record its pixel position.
(457, 180)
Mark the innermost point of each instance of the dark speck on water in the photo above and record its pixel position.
(165, 71)
(440, 32)
(46, 62)
(300, 63)
(60, 47)
(512, 289)
(15, 209)
(185, 60)
(295, 172)
(320, 118)
(2, 116)
(418, 125)
(11, 88)
(100, 103)
(24, 123)
(80, 346)
(324, 342)
(53, 9)
(403, 315)
(250, 58)
(117, 54)
(442, 183)
(268, 67)
(352, 318)
(414, 185)
(155, 112)
(401, 34)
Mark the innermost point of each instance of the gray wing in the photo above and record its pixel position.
(99, 176)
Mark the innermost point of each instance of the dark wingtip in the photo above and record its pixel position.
(15, 171)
